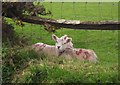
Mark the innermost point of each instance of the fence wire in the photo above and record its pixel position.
(87, 8)
(92, 10)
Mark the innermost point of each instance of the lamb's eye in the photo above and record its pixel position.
(64, 43)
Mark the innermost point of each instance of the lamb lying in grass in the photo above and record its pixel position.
(56, 50)
(64, 47)
(67, 48)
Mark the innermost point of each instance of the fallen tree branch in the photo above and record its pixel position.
(74, 24)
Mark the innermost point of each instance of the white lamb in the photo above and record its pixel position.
(56, 50)
(67, 48)
(64, 47)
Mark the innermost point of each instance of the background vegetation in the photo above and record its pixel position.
(22, 65)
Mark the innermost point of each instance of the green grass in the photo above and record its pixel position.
(52, 69)
(91, 11)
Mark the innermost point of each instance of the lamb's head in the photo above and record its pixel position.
(62, 43)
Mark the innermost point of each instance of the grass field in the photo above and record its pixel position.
(32, 68)
(92, 11)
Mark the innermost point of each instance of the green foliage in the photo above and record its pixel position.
(72, 71)
(15, 59)
(25, 66)
(28, 67)
(9, 37)
(21, 9)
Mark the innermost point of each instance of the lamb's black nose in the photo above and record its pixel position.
(58, 47)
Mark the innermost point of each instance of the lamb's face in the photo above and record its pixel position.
(62, 43)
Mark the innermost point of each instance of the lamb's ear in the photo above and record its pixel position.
(69, 40)
(65, 36)
(54, 37)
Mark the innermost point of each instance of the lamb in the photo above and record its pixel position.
(62, 43)
(51, 49)
(64, 47)
(82, 54)
(44, 48)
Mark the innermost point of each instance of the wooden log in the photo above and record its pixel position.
(75, 24)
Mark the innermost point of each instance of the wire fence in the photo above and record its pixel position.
(88, 11)
(84, 11)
